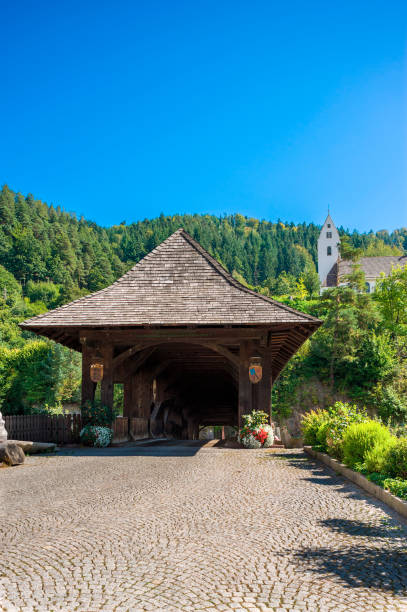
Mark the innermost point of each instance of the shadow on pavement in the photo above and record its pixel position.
(389, 528)
(323, 475)
(164, 448)
(383, 567)
(377, 560)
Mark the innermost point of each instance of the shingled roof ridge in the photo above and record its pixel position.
(150, 254)
(235, 282)
(367, 257)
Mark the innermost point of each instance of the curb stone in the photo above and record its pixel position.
(395, 503)
(35, 447)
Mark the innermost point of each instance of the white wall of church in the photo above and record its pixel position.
(371, 285)
(328, 251)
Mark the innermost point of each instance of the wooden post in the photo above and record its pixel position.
(264, 386)
(107, 381)
(245, 392)
(127, 397)
(135, 395)
(88, 387)
(147, 392)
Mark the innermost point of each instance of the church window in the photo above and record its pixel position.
(329, 251)
(329, 234)
(329, 225)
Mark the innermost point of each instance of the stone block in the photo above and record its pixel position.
(11, 454)
(35, 447)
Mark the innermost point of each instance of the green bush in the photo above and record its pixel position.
(376, 458)
(311, 422)
(360, 438)
(396, 486)
(399, 429)
(342, 415)
(396, 461)
(360, 467)
(337, 419)
(376, 478)
(95, 413)
(391, 405)
(322, 434)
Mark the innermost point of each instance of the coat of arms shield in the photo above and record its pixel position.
(255, 372)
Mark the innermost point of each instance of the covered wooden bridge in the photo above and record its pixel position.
(190, 344)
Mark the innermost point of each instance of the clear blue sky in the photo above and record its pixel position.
(122, 110)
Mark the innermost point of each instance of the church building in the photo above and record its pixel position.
(332, 270)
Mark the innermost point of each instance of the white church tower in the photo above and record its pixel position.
(328, 248)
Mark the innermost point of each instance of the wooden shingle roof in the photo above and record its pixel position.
(371, 266)
(178, 283)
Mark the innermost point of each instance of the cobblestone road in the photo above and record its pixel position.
(181, 528)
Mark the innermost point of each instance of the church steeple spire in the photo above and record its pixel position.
(328, 251)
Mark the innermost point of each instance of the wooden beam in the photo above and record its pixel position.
(127, 353)
(137, 363)
(134, 336)
(160, 368)
(225, 352)
(158, 343)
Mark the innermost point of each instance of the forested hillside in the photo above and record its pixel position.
(49, 257)
(40, 243)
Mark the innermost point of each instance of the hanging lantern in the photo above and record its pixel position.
(255, 369)
(96, 371)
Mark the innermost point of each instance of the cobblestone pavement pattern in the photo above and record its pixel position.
(181, 528)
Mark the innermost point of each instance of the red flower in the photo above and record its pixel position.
(261, 436)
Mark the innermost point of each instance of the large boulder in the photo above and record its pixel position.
(11, 453)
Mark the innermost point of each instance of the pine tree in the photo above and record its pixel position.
(6, 207)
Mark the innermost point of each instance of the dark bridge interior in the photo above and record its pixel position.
(179, 386)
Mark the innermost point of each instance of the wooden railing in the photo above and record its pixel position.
(138, 428)
(121, 429)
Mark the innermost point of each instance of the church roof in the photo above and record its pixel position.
(178, 283)
(330, 221)
(371, 266)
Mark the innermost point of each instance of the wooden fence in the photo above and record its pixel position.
(65, 429)
(62, 429)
